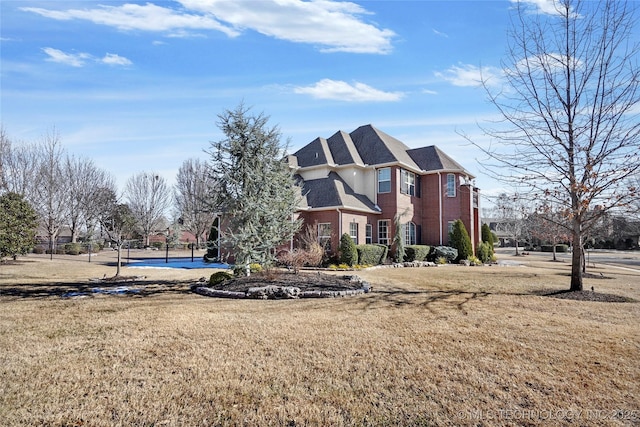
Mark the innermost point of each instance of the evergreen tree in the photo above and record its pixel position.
(348, 250)
(18, 224)
(487, 237)
(460, 240)
(254, 187)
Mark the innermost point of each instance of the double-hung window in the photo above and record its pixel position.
(451, 185)
(408, 182)
(384, 180)
(353, 232)
(383, 231)
(369, 236)
(324, 235)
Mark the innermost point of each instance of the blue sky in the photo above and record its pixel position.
(137, 86)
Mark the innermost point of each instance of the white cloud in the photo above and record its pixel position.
(439, 33)
(334, 26)
(114, 59)
(81, 59)
(343, 91)
(548, 7)
(470, 75)
(147, 17)
(72, 59)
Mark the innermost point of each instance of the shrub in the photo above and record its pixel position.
(73, 248)
(484, 252)
(416, 253)
(38, 250)
(448, 253)
(460, 240)
(372, 254)
(473, 260)
(348, 250)
(488, 237)
(219, 277)
(441, 260)
(295, 259)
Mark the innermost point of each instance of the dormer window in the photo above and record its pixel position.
(384, 180)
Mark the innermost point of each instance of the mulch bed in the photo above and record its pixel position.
(285, 285)
(589, 296)
(303, 281)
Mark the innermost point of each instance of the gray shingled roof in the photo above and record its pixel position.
(315, 153)
(376, 147)
(433, 159)
(343, 150)
(333, 191)
(369, 145)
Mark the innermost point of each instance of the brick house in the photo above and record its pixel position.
(357, 182)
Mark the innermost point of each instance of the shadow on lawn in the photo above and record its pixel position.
(399, 297)
(70, 290)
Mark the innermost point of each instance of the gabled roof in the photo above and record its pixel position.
(333, 192)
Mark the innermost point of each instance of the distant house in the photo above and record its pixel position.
(357, 182)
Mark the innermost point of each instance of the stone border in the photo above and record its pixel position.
(285, 292)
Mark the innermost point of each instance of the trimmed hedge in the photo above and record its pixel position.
(372, 254)
(559, 248)
(416, 253)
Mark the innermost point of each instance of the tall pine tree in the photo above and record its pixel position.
(254, 187)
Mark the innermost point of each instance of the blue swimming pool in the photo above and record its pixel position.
(175, 263)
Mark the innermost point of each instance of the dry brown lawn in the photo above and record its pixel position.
(433, 346)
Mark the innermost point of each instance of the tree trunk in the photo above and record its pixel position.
(118, 264)
(576, 262)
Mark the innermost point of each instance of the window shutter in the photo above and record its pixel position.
(418, 189)
(418, 234)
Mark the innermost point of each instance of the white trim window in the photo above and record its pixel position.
(451, 185)
(384, 180)
(353, 232)
(383, 232)
(369, 234)
(409, 233)
(407, 182)
(324, 235)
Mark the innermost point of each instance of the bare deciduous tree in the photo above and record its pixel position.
(192, 192)
(115, 218)
(17, 164)
(82, 179)
(148, 197)
(571, 129)
(49, 195)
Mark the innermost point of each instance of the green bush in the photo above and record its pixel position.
(219, 277)
(348, 250)
(372, 254)
(447, 253)
(73, 248)
(484, 252)
(416, 253)
(460, 240)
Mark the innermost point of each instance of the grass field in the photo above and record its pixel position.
(433, 346)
